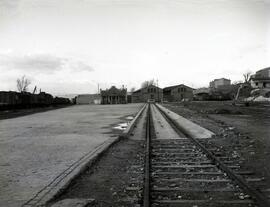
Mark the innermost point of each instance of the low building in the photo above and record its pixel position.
(222, 93)
(202, 94)
(129, 98)
(177, 93)
(114, 96)
(261, 79)
(219, 82)
(88, 99)
(149, 93)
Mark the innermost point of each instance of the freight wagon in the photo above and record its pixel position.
(15, 100)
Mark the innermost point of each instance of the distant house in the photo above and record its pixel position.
(222, 89)
(177, 93)
(114, 96)
(219, 83)
(129, 97)
(261, 79)
(145, 94)
(202, 94)
(88, 99)
(225, 92)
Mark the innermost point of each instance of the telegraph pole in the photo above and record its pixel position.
(158, 90)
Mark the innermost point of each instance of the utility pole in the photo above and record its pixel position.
(35, 89)
(158, 90)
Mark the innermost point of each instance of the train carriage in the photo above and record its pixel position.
(15, 100)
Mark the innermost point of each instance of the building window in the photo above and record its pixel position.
(264, 85)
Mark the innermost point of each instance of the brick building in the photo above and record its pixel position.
(114, 96)
(177, 93)
(149, 93)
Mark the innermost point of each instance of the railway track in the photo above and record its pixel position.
(180, 171)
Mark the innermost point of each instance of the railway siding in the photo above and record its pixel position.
(185, 173)
(188, 127)
(157, 169)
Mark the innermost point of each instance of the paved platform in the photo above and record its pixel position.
(35, 149)
(186, 126)
(163, 130)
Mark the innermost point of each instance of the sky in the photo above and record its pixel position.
(72, 46)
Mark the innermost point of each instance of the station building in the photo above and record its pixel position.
(114, 96)
(177, 93)
(148, 93)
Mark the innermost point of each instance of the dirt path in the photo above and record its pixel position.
(241, 131)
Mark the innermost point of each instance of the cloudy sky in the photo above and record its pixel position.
(69, 46)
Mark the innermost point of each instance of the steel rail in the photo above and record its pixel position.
(260, 199)
(146, 197)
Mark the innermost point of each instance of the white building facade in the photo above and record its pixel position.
(219, 82)
(261, 79)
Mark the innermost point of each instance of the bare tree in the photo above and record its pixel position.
(132, 89)
(147, 83)
(237, 82)
(247, 76)
(22, 84)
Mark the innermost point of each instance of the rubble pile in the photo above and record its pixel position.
(259, 95)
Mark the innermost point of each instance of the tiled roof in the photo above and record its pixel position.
(263, 69)
(139, 90)
(175, 86)
(113, 90)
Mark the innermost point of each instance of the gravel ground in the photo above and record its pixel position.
(116, 179)
(112, 175)
(108, 180)
(241, 131)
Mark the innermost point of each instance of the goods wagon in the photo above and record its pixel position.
(60, 100)
(9, 98)
(15, 100)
